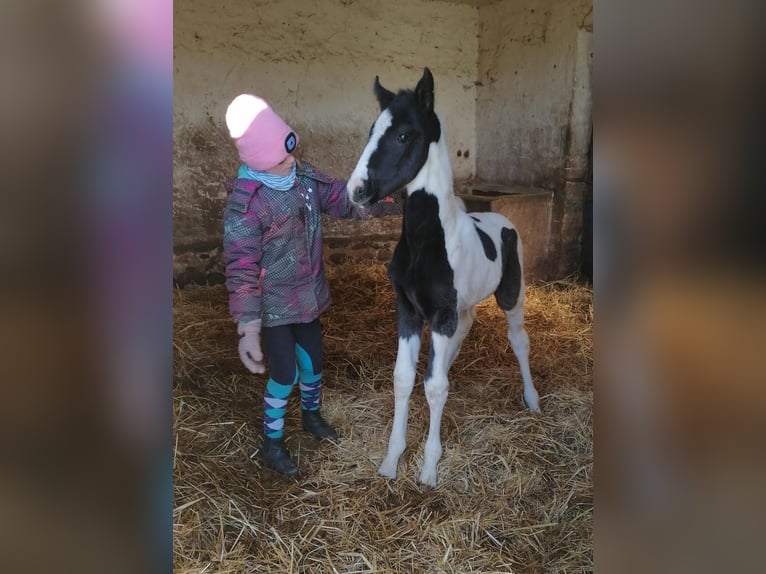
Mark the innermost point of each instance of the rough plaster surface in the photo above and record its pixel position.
(527, 67)
(315, 61)
(581, 115)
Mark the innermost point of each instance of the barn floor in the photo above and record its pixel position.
(515, 489)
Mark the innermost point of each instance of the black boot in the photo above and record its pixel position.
(317, 426)
(277, 457)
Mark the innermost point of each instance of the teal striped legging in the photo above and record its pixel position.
(294, 353)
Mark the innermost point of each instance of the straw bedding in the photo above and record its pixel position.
(515, 489)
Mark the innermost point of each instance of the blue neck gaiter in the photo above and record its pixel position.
(278, 182)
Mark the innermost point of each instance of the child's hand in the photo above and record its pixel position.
(250, 346)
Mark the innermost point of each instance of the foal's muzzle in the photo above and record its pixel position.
(362, 193)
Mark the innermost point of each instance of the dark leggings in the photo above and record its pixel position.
(288, 345)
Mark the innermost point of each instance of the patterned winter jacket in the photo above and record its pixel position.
(273, 245)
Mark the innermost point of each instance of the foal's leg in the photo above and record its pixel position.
(519, 339)
(510, 298)
(444, 349)
(465, 321)
(410, 330)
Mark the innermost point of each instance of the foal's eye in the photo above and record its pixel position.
(403, 137)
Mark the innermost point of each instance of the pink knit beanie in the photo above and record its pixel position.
(263, 139)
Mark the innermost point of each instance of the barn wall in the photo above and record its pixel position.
(512, 85)
(533, 118)
(528, 54)
(315, 61)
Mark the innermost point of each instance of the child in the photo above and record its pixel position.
(274, 270)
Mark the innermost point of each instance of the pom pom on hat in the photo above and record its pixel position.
(263, 139)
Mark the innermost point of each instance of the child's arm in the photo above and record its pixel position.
(335, 202)
(242, 246)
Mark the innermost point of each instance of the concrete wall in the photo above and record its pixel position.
(315, 61)
(527, 60)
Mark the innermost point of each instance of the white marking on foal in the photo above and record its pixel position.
(436, 174)
(359, 175)
(404, 380)
(444, 351)
(519, 339)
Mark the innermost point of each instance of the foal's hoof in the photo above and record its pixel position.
(428, 478)
(533, 403)
(387, 469)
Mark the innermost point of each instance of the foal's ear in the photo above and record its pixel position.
(424, 92)
(383, 95)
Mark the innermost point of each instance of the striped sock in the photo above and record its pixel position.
(311, 382)
(274, 407)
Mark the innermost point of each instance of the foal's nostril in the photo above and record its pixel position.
(354, 186)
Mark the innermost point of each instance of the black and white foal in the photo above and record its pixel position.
(446, 260)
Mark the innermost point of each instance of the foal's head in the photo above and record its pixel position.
(398, 144)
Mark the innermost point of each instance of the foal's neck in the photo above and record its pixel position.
(435, 178)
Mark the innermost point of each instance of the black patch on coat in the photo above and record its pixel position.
(420, 272)
(409, 319)
(486, 242)
(507, 292)
(475, 218)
